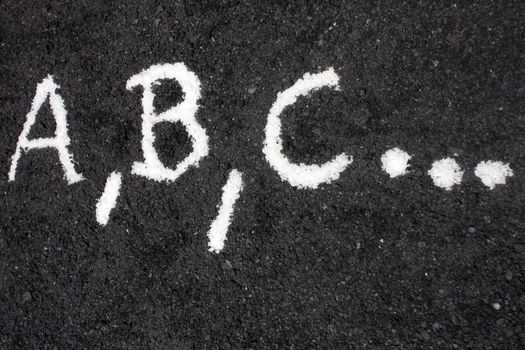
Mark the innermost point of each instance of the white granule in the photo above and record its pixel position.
(395, 162)
(446, 173)
(493, 173)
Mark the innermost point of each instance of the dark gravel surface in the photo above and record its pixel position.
(366, 262)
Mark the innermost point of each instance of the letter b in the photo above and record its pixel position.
(184, 112)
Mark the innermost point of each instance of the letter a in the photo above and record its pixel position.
(61, 140)
(184, 112)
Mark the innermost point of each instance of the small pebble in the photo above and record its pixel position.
(508, 276)
(520, 247)
(455, 320)
(496, 306)
(26, 296)
(227, 265)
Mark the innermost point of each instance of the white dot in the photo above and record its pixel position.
(493, 173)
(446, 173)
(395, 162)
(496, 306)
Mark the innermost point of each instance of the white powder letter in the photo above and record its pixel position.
(219, 227)
(301, 175)
(108, 200)
(395, 162)
(184, 112)
(446, 173)
(493, 173)
(61, 140)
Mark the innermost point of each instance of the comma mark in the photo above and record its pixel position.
(108, 200)
(219, 227)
